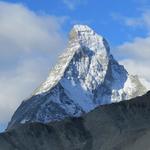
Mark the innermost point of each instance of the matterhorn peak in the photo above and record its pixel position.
(85, 77)
(81, 28)
(85, 36)
(81, 31)
(85, 51)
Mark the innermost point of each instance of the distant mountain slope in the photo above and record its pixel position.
(119, 126)
(86, 76)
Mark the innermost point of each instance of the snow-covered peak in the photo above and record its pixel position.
(88, 53)
(79, 32)
(81, 28)
(86, 37)
(85, 65)
(85, 77)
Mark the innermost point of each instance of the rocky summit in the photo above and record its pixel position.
(85, 77)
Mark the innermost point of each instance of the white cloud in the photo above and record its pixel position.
(139, 48)
(140, 68)
(16, 85)
(135, 56)
(71, 4)
(29, 45)
(22, 30)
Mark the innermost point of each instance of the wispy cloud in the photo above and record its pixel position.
(29, 44)
(72, 4)
(139, 21)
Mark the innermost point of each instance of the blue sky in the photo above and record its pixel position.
(99, 14)
(34, 32)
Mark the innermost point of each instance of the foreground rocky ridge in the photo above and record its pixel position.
(86, 76)
(119, 126)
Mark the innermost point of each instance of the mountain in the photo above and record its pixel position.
(118, 126)
(85, 77)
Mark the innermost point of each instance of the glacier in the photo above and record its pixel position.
(86, 76)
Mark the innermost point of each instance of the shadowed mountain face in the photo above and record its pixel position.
(119, 126)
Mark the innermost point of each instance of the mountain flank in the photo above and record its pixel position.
(117, 126)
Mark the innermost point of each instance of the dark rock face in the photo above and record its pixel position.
(119, 126)
(45, 107)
